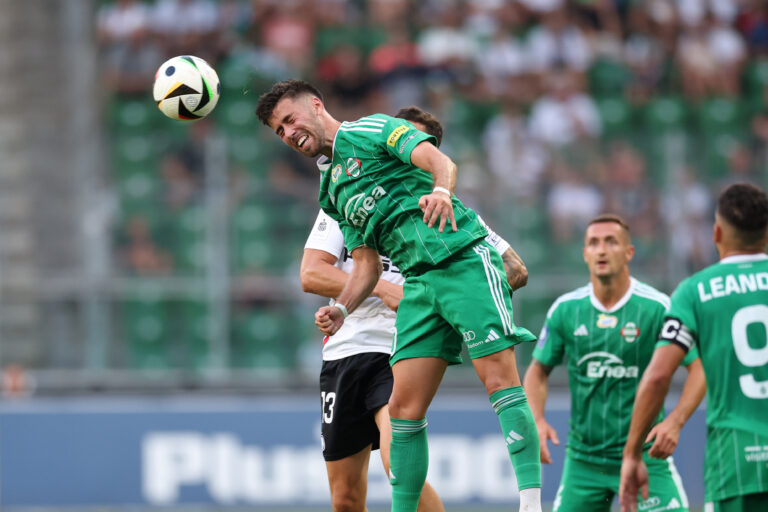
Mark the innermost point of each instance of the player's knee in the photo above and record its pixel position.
(347, 500)
(405, 409)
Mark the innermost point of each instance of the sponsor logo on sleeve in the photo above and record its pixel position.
(405, 143)
(395, 135)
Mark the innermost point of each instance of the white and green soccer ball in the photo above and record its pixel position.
(186, 88)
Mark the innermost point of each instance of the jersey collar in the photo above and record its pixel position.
(599, 306)
(745, 258)
(323, 163)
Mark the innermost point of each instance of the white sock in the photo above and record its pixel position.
(530, 500)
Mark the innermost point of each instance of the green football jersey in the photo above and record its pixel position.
(372, 190)
(606, 352)
(724, 311)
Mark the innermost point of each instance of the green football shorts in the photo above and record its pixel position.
(587, 486)
(464, 300)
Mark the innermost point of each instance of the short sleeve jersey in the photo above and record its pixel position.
(723, 310)
(372, 189)
(606, 352)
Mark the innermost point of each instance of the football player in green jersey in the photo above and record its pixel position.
(455, 293)
(722, 310)
(606, 331)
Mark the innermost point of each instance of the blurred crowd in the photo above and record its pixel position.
(555, 110)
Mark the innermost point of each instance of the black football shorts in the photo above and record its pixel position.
(352, 390)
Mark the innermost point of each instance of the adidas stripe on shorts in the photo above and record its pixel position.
(462, 301)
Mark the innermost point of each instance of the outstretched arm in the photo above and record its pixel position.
(648, 402)
(361, 282)
(320, 275)
(436, 205)
(667, 433)
(535, 384)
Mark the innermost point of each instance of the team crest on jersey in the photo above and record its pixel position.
(322, 226)
(354, 167)
(607, 321)
(336, 173)
(630, 332)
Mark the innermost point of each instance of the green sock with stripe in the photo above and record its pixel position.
(409, 459)
(520, 434)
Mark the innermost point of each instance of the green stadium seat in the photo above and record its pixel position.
(196, 350)
(616, 116)
(719, 115)
(607, 78)
(756, 78)
(138, 116)
(252, 248)
(236, 116)
(145, 331)
(715, 152)
(665, 114)
(190, 241)
(135, 151)
(137, 189)
(263, 339)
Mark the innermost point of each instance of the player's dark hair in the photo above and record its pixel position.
(284, 89)
(745, 207)
(611, 217)
(416, 115)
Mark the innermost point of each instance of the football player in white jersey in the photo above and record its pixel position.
(356, 378)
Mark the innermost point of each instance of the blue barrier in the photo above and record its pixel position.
(250, 451)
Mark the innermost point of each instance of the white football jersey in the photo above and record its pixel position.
(370, 327)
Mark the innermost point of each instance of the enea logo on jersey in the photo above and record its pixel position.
(396, 134)
(359, 206)
(605, 364)
(630, 332)
(354, 167)
(335, 173)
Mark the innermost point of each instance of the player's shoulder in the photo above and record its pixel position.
(647, 292)
(569, 299)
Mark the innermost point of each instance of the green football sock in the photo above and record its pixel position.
(409, 458)
(520, 434)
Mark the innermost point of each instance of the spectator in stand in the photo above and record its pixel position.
(117, 21)
(711, 55)
(517, 161)
(572, 201)
(688, 212)
(565, 115)
(742, 168)
(130, 56)
(630, 193)
(557, 44)
(444, 44)
(502, 61)
(752, 23)
(188, 27)
(140, 253)
(645, 56)
(130, 66)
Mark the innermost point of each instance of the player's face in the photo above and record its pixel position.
(297, 123)
(607, 249)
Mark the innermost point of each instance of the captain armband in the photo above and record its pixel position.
(674, 331)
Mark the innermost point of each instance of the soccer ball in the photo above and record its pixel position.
(186, 88)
